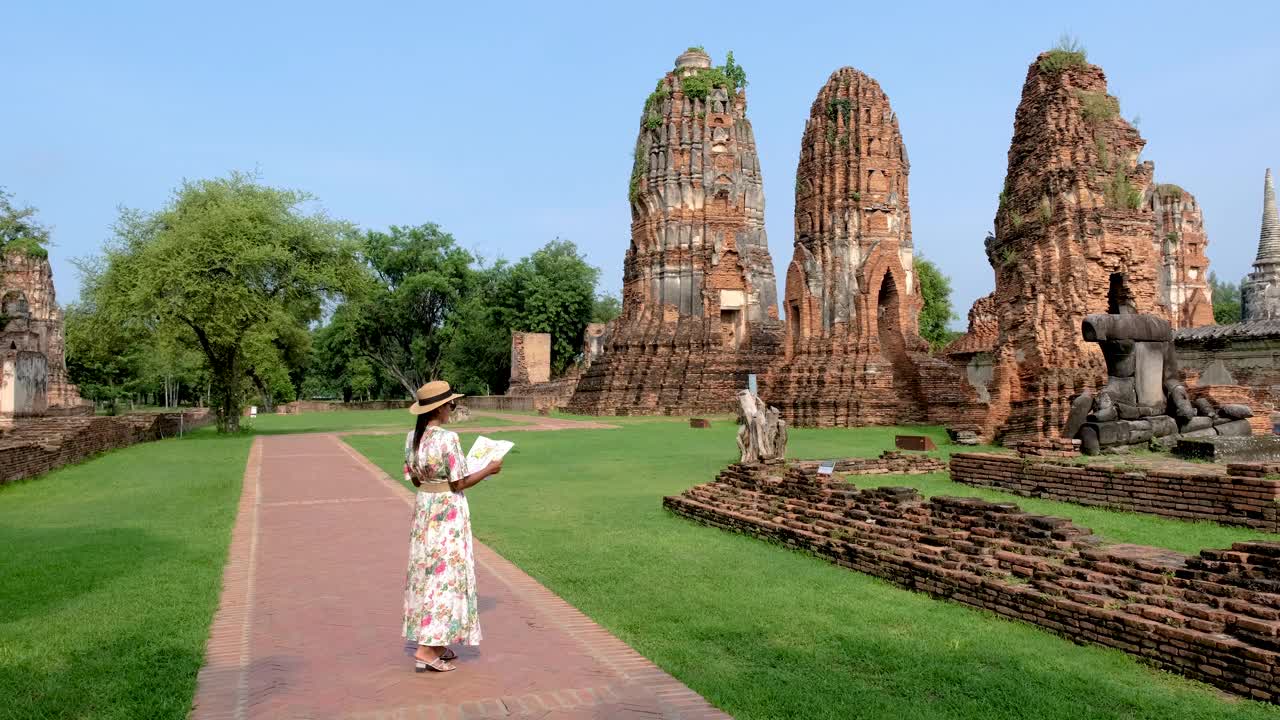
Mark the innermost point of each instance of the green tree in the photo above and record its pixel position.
(477, 351)
(606, 308)
(1226, 300)
(103, 361)
(230, 266)
(19, 229)
(552, 291)
(935, 288)
(420, 277)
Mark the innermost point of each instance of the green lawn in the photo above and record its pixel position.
(344, 420)
(764, 632)
(110, 573)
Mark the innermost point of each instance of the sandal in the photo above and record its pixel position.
(437, 665)
(448, 655)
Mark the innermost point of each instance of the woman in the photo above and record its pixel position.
(440, 588)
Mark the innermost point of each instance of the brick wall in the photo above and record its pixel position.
(37, 446)
(1214, 617)
(304, 406)
(1238, 494)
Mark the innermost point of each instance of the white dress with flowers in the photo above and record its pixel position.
(440, 586)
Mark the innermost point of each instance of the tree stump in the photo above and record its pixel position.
(762, 433)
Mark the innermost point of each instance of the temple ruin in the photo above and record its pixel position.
(1260, 291)
(1236, 363)
(1184, 296)
(1074, 212)
(699, 300)
(33, 370)
(852, 299)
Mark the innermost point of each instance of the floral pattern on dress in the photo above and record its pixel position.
(440, 585)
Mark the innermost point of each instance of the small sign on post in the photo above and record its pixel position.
(826, 467)
(253, 411)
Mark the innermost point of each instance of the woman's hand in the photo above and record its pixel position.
(493, 468)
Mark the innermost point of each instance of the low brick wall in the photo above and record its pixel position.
(1239, 494)
(1215, 617)
(305, 406)
(500, 402)
(39, 445)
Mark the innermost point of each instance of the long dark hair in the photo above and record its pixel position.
(420, 429)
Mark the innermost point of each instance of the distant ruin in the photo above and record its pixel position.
(1183, 292)
(33, 370)
(1260, 292)
(1237, 363)
(699, 306)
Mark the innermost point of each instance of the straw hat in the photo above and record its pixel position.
(433, 395)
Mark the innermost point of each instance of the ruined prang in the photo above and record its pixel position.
(1260, 291)
(33, 380)
(1071, 215)
(852, 298)
(1184, 296)
(699, 300)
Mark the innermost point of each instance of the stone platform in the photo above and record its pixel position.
(1213, 617)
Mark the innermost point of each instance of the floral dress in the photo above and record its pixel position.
(440, 586)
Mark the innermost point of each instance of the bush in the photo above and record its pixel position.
(1046, 209)
(1068, 53)
(1120, 194)
(840, 106)
(1098, 107)
(639, 167)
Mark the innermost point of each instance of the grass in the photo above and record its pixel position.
(764, 632)
(1068, 53)
(111, 572)
(343, 420)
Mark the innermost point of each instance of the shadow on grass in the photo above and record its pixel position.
(138, 675)
(43, 569)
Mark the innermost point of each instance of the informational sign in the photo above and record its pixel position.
(751, 382)
(253, 411)
(827, 467)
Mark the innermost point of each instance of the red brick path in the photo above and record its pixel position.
(310, 615)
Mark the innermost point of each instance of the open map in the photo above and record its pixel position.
(485, 451)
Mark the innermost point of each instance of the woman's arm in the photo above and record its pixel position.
(493, 468)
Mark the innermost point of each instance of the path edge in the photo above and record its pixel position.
(222, 683)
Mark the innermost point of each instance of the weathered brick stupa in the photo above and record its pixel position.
(31, 339)
(1071, 215)
(852, 299)
(699, 299)
(1260, 291)
(1184, 296)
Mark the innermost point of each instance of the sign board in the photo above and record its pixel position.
(751, 383)
(827, 467)
(253, 411)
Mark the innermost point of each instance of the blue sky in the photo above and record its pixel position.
(511, 124)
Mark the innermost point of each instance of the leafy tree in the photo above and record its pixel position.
(335, 352)
(552, 291)
(232, 267)
(420, 277)
(100, 359)
(935, 288)
(606, 308)
(19, 230)
(1226, 300)
(477, 351)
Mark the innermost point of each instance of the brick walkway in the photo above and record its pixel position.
(310, 615)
